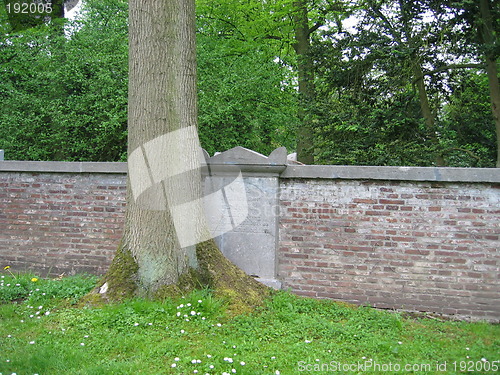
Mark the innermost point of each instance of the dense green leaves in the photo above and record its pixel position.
(64, 95)
(395, 89)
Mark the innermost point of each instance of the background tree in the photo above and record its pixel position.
(397, 81)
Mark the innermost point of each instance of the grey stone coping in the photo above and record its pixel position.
(253, 163)
(62, 167)
(392, 173)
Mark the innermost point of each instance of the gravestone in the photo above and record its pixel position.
(244, 220)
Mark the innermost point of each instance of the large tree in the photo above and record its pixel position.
(166, 247)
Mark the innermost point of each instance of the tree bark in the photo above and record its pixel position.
(162, 99)
(305, 140)
(486, 32)
(166, 248)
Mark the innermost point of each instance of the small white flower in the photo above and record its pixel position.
(178, 313)
(182, 331)
(467, 348)
(233, 371)
(136, 324)
(150, 324)
(82, 344)
(173, 365)
(209, 356)
(211, 366)
(219, 325)
(484, 360)
(177, 359)
(32, 342)
(200, 301)
(307, 341)
(242, 363)
(188, 305)
(400, 343)
(277, 372)
(47, 312)
(193, 312)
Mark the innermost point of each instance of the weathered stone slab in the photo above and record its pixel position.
(251, 243)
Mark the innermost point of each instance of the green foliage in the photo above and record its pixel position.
(64, 94)
(245, 98)
(368, 109)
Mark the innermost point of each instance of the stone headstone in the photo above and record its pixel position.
(250, 242)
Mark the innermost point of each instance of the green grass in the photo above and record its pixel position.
(42, 332)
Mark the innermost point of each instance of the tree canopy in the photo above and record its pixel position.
(389, 82)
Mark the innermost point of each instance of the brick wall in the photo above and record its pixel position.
(423, 239)
(60, 222)
(407, 245)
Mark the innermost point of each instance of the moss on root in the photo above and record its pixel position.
(119, 282)
(241, 292)
(122, 276)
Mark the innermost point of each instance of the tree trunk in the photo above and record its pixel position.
(486, 32)
(418, 76)
(166, 248)
(305, 140)
(427, 114)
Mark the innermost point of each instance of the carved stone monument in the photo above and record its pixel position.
(246, 230)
